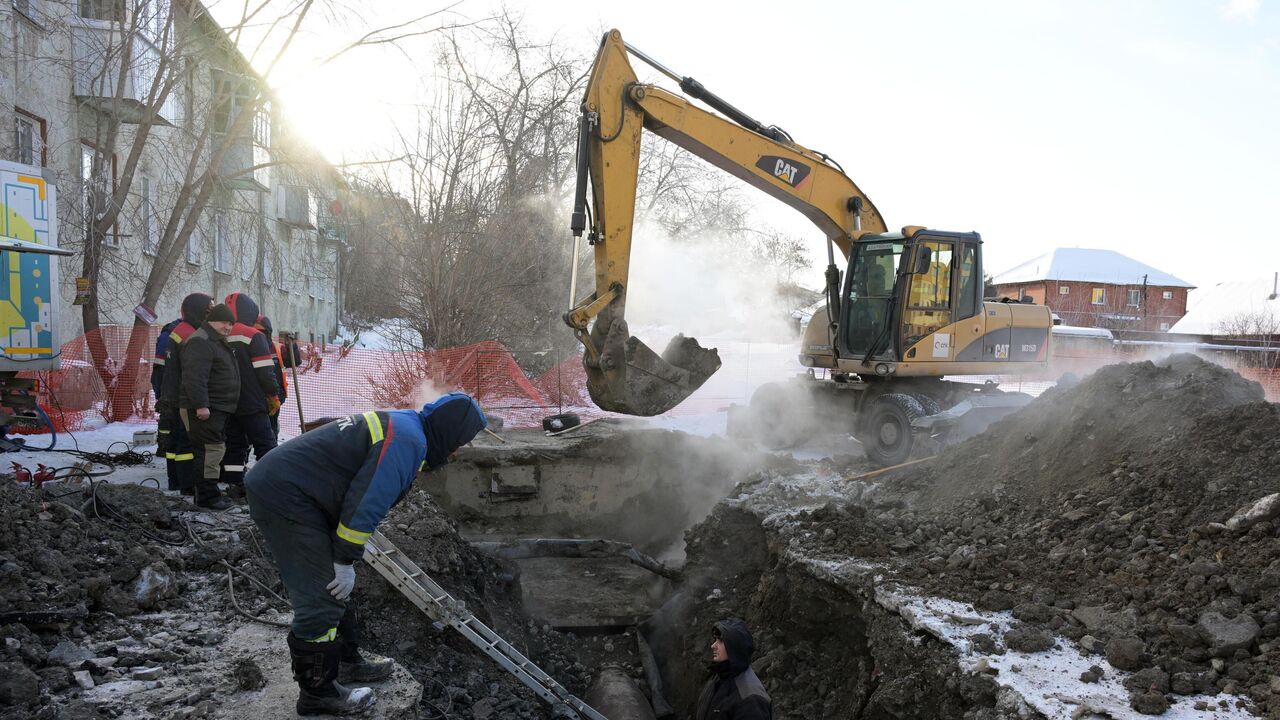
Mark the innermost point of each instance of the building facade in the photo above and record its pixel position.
(148, 110)
(1098, 288)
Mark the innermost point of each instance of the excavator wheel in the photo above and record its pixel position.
(887, 436)
(928, 404)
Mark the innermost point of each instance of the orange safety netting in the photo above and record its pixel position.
(96, 383)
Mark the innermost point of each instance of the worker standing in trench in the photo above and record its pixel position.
(734, 692)
(317, 498)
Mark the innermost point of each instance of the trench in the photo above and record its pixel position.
(825, 646)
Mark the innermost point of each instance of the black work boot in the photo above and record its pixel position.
(355, 668)
(315, 667)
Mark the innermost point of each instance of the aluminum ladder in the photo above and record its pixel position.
(437, 603)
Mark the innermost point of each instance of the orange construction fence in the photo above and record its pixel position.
(334, 380)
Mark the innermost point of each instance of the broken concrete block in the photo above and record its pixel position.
(151, 673)
(155, 583)
(100, 664)
(83, 678)
(69, 654)
(1225, 636)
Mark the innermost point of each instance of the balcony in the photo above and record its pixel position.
(243, 165)
(97, 49)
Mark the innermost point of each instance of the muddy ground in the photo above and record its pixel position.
(125, 612)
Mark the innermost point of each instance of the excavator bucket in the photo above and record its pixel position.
(630, 378)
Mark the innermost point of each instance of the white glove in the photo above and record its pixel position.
(344, 581)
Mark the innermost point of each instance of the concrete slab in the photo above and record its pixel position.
(589, 592)
(397, 697)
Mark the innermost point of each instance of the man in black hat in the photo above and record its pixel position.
(166, 374)
(317, 499)
(734, 692)
(208, 393)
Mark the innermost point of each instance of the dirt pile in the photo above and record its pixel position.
(124, 611)
(1100, 515)
(1101, 512)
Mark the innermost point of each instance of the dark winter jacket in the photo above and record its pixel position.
(264, 324)
(166, 373)
(158, 362)
(210, 378)
(253, 356)
(346, 475)
(734, 693)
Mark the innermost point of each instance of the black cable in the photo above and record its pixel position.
(99, 505)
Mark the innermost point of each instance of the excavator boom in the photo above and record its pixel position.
(623, 374)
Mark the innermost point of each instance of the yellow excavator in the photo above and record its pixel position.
(907, 311)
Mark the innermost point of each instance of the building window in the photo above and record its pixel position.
(1135, 298)
(29, 138)
(102, 186)
(1099, 296)
(233, 94)
(110, 10)
(194, 241)
(1164, 327)
(148, 228)
(1064, 289)
(1167, 294)
(221, 243)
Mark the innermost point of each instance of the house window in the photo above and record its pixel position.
(221, 243)
(1167, 294)
(1099, 296)
(1164, 327)
(29, 138)
(194, 241)
(102, 187)
(148, 228)
(1064, 289)
(109, 10)
(1135, 298)
(232, 94)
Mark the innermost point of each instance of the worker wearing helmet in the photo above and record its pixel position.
(317, 498)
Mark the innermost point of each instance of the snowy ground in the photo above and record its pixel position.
(108, 437)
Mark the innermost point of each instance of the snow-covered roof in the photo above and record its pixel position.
(1088, 265)
(1208, 307)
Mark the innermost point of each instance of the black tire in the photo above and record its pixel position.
(928, 404)
(564, 421)
(777, 421)
(887, 436)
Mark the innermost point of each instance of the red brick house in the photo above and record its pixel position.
(1098, 288)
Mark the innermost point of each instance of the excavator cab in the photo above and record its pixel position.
(869, 299)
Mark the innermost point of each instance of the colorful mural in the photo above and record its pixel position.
(28, 281)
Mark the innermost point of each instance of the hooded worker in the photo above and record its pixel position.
(166, 373)
(317, 498)
(264, 324)
(250, 425)
(733, 692)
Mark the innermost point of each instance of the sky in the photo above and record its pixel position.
(1145, 126)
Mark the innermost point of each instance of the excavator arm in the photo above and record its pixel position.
(623, 374)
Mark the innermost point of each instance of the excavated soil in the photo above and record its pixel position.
(132, 598)
(1101, 515)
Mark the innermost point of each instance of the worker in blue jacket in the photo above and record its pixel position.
(317, 498)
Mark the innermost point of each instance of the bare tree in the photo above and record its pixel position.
(149, 95)
(1260, 325)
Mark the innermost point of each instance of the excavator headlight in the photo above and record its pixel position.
(883, 369)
